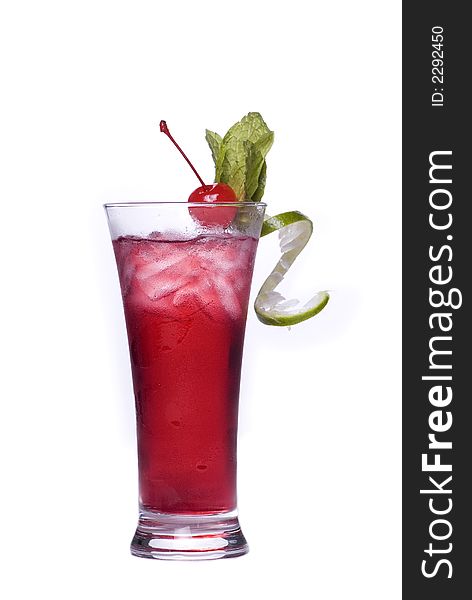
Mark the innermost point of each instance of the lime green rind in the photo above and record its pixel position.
(295, 229)
(280, 320)
(276, 223)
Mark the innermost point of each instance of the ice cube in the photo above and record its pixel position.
(160, 285)
(227, 296)
(192, 296)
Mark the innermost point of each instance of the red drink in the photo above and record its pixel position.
(185, 305)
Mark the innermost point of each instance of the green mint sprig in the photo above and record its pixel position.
(239, 156)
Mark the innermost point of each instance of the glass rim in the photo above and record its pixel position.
(182, 203)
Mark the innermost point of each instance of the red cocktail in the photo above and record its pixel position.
(185, 306)
(185, 292)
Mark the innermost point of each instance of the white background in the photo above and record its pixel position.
(84, 87)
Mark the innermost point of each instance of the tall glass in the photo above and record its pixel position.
(185, 273)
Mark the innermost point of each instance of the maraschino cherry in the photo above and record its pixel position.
(210, 194)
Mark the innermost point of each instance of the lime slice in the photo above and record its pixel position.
(271, 307)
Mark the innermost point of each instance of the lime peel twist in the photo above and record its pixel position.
(271, 307)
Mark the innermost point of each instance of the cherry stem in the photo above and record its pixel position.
(165, 129)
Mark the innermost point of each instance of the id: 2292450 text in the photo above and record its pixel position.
(437, 66)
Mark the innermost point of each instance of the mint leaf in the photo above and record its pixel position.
(255, 160)
(250, 128)
(214, 141)
(264, 143)
(241, 155)
(256, 197)
(231, 165)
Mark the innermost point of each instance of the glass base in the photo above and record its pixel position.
(188, 537)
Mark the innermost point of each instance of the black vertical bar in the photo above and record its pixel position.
(438, 123)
